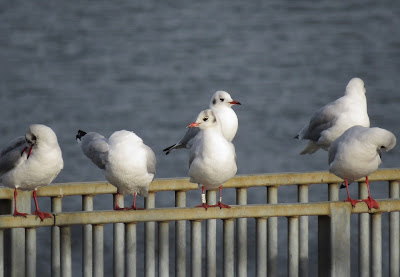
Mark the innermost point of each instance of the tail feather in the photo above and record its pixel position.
(311, 148)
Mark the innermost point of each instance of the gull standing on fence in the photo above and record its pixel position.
(221, 103)
(330, 121)
(30, 162)
(212, 157)
(357, 153)
(128, 163)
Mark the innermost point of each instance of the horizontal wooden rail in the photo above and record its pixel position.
(183, 184)
(175, 214)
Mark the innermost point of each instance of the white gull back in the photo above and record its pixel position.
(128, 163)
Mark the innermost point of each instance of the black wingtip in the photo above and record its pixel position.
(296, 137)
(168, 149)
(80, 134)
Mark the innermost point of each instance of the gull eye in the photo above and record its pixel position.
(33, 137)
(222, 99)
(205, 118)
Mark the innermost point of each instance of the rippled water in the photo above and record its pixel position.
(152, 66)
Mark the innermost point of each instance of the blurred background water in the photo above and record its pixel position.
(151, 66)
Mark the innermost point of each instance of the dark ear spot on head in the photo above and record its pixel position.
(214, 101)
(215, 120)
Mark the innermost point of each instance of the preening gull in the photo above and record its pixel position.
(127, 163)
(221, 103)
(357, 153)
(212, 157)
(330, 121)
(30, 162)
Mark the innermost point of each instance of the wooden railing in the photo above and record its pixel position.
(334, 220)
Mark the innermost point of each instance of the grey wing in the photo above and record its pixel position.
(95, 147)
(321, 120)
(10, 155)
(192, 156)
(151, 160)
(189, 135)
(184, 141)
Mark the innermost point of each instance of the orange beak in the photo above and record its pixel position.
(194, 124)
(235, 103)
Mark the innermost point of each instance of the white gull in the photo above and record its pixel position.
(212, 157)
(127, 163)
(30, 162)
(357, 153)
(330, 121)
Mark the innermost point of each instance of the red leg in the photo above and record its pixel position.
(40, 214)
(371, 203)
(16, 213)
(352, 201)
(220, 204)
(134, 204)
(117, 208)
(203, 199)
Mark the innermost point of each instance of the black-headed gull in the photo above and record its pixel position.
(330, 121)
(221, 103)
(212, 157)
(357, 153)
(30, 162)
(127, 163)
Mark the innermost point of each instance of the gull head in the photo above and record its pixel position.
(355, 85)
(222, 99)
(204, 120)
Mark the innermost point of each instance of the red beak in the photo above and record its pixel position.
(194, 124)
(235, 103)
(30, 151)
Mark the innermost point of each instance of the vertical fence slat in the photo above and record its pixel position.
(363, 235)
(1, 253)
(333, 192)
(377, 245)
(150, 240)
(16, 241)
(261, 245)
(303, 233)
(56, 207)
(130, 233)
(211, 238)
(87, 247)
(66, 269)
(163, 249)
(241, 235)
(340, 240)
(30, 236)
(272, 225)
(118, 242)
(229, 247)
(293, 247)
(98, 250)
(180, 237)
(195, 239)
(394, 233)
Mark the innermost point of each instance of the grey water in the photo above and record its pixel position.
(151, 66)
